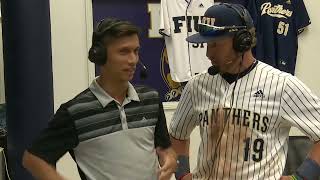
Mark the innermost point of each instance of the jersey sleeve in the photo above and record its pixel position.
(162, 138)
(302, 19)
(301, 108)
(164, 28)
(184, 118)
(59, 137)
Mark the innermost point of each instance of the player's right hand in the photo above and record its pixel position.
(187, 177)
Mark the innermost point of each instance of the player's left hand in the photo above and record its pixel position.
(168, 163)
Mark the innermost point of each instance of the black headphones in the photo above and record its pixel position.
(98, 53)
(243, 38)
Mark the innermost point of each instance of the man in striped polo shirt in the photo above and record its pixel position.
(243, 107)
(113, 130)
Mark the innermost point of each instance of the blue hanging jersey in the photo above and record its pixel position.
(278, 24)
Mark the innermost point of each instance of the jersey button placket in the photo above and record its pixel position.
(227, 97)
(224, 95)
(123, 118)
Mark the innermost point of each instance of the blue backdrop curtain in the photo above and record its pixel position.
(28, 75)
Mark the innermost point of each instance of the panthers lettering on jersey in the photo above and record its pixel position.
(278, 24)
(179, 19)
(253, 127)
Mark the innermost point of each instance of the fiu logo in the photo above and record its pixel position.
(175, 88)
(191, 22)
(208, 21)
(275, 11)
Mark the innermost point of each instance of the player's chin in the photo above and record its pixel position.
(129, 77)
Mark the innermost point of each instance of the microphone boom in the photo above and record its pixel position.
(143, 72)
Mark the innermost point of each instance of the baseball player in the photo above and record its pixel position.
(278, 24)
(243, 107)
(179, 19)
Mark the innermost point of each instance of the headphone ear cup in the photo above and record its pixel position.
(242, 41)
(97, 54)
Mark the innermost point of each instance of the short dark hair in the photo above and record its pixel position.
(112, 28)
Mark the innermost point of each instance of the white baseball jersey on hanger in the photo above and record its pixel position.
(254, 136)
(179, 19)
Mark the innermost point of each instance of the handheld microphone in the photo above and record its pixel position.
(213, 70)
(143, 72)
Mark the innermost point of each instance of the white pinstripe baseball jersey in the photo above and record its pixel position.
(267, 102)
(179, 19)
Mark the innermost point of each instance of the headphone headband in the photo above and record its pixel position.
(97, 52)
(242, 12)
(242, 40)
(101, 31)
(110, 26)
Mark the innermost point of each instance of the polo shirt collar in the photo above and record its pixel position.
(104, 98)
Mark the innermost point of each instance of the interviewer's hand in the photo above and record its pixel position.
(168, 163)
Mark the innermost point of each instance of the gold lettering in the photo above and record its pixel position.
(212, 21)
(208, 21)
(275, 11)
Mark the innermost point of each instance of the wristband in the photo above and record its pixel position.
(309, 170)
(183, 167)
(296, 177)
(183, 176)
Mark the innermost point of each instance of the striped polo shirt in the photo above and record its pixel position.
(108, 140)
